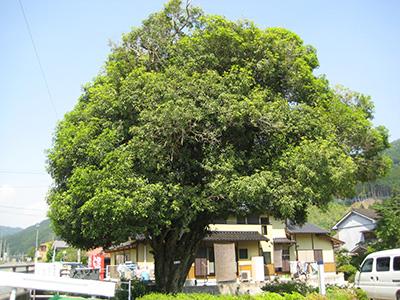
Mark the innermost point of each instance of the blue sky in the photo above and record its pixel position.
(358, 44)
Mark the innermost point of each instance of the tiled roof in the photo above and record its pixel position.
(60, 245)
(305, 228)
(126, 245)
(369, 213)
(283, 241)
(228, 236)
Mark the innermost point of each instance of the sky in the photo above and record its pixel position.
(358, 45)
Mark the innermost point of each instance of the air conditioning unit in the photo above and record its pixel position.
(244, 275)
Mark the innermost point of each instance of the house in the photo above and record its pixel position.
(356, 229)
(246, 248)
(313, 244)
(42, 251)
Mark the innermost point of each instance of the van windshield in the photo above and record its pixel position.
(367, 265)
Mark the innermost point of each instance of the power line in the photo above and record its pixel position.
(22, 172)
(19, 207)
(23, 186)
(19, 213)
(38, 58)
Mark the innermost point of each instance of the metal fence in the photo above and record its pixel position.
(18, 267)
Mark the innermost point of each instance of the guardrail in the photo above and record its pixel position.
(19, 267)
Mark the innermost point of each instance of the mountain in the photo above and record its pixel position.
(5, 230)
(25, 239)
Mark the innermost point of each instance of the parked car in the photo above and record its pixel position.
(68, 268)
(379, 275)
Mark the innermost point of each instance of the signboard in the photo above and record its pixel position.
(97, 262)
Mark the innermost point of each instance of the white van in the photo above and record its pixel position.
(379, 275)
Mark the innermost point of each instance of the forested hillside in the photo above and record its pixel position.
(328, 217)
(384, 187)
(23, 240)
(5, 230)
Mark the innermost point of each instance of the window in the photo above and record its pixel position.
(264, 229)
(201, 252)
(383, 264)
(243, 254)
(264, 220)
(241, 220)
(318, 257)
(396, 263)
(267, 258)
(367, 265)
(253, 219)
(119, 259)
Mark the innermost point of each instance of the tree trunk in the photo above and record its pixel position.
(174, 254)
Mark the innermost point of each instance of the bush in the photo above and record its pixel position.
(138, 289)
(349, 272)
(289, 287)
(338, 293)
(333, 293)
(265, 296)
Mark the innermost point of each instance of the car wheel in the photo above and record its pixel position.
(398, 295)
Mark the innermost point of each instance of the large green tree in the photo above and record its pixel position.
(194, 118)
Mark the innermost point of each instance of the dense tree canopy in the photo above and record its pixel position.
(197, 117)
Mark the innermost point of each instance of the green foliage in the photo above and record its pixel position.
(388, 226)
(333, 293)
(266, 296)
(339, 293)
(347, 264)
(69, 254)
(342, 257)
(195, 118)
(25, 239)
(389, 184)
(326, 217)
(138, 289)
(289, 287)
(31, 252)
(349, 272)
(226, 118)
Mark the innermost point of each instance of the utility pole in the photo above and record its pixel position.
(1, 249)
(5, 251)
(1, 245)
(37, 243)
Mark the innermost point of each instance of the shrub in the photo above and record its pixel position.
(264, 296)
(138, 289)
(333, 293)
(289, 287)
(338, 293)
(349, 272)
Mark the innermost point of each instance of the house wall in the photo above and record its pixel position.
(131, 253)
(307, 243)
(349, 230)
(252, 250)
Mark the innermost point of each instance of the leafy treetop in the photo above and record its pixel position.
(196, 117)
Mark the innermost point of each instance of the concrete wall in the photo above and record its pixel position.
(349, 231)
